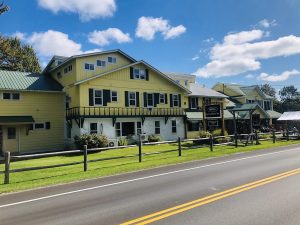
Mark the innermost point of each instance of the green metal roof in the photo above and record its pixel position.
(16, 119)
(246, 107)
(15, 80)
(273, 114)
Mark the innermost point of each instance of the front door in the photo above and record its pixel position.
(10, 138)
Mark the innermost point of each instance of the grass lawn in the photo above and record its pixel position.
(45, 177)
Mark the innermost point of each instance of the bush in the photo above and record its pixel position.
(264, 136)
(91, 140)
(218, 132)
(204, 134)
(122, 142)
(154, 138)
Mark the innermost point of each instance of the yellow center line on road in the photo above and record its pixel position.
(208, 199)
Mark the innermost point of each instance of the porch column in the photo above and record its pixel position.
(204, 114)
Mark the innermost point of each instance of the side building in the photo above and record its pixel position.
(32, 113)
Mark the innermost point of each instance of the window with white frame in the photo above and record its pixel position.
(101, 63)
(162, 99)
(11, 96)
(70, 67)
(139, 74)
(194, 102)
(250, 101)
(65, 69)
(186, 82)
(89, 66)
(157, 127)
(267, 105)
(114, 96)
(98, 97)
(138, 127)
(150, 99)
(93, 128)
(132, 98)
(175, 100)
(174, 126)
(39, 126)
(118, 129)
(111, 59)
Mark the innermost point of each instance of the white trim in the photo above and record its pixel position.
(44, 128)
(178, 106)
(11, 94)
(98, 97)
(111, 91)
(113, 57)
(195, 102)
(150, 106)
(101, 63)
(132, 92)
(89, 66)
(163, 94)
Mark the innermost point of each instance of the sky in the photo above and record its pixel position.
(233, 41)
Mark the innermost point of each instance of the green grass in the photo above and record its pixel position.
(38, 178)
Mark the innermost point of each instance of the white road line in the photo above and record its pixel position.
(143, 178)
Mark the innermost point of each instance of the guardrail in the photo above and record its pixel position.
(211, 141)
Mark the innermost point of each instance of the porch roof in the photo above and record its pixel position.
(16, 119)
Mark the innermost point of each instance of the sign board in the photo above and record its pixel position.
(213, 111)
(213, 123)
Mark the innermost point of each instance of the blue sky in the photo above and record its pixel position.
(247, 42)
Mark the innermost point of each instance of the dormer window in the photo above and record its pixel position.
(89, 66)
(139, 74)
(11, 96)
(111, 59)
(101, 63)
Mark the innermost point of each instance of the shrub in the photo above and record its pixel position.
(122, 142)
(218, 132)
(91, 140)
(204, 134)
(154, 138)
(264, 136)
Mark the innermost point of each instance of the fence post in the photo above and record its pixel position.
(7, 167)
(273, 136)
(140, 148)
(235, 139)
(85, 158)
(256, 138)
(179, 146)
(211, 142)
(287, 135)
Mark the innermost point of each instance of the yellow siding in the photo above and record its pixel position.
(66, 78)
(121, 82)
(43, 107)
(83, 74)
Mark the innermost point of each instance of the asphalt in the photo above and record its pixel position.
(117, 199)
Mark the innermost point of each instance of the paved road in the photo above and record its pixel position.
(118, 199)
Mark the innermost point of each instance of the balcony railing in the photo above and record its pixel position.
(107, 112)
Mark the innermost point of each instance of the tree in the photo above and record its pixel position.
(16, 56)
(290, 98)
(268, 89)
(3, 8)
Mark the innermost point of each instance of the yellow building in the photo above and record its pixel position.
(32, 113)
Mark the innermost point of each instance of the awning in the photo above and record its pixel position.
(288, 116)
(194, 115)
(16, 119)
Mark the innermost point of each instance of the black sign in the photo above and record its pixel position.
(213, 111)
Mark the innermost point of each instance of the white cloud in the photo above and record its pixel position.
(208, 40)
(249, 76)
(87, 9)
(19, 35)
(105, 37)
(148, 26)
(243, 37)
(238, 53)
(281, 77)
(195, 57)
(266, 23)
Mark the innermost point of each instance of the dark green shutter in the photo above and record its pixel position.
(147, 74)
(145, 99)
(106, 97)
(190, 102)
(197, 102)
(179, 96)
(48, 125)
(131, 73)
(126, 99)
(137, 99)
(91, 97)
(30, 126)
(156, 99)
(171, 100)
(166, 98)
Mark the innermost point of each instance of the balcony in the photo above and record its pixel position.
(114, 112)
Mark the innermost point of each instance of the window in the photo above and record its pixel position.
(150, 100)
(11, 133)
(111, 59)
(176, 100)
(128, 128)
(174, 128)
(118, 129)
(138, 127)
(162, 99)
(89, 66)
(207, 101)
(58, 75)
(114, 96)
(267, 105)
(139, 74)
(11, 96)
(194, 103)
(58, 62)
(132, 99)
(98, 99)
(101, 63)
(157, 127)
(193, 125)
(66, 70)
(70, 68)
(186, 82)
(250, 101)
(39, 126)
(93, 128)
